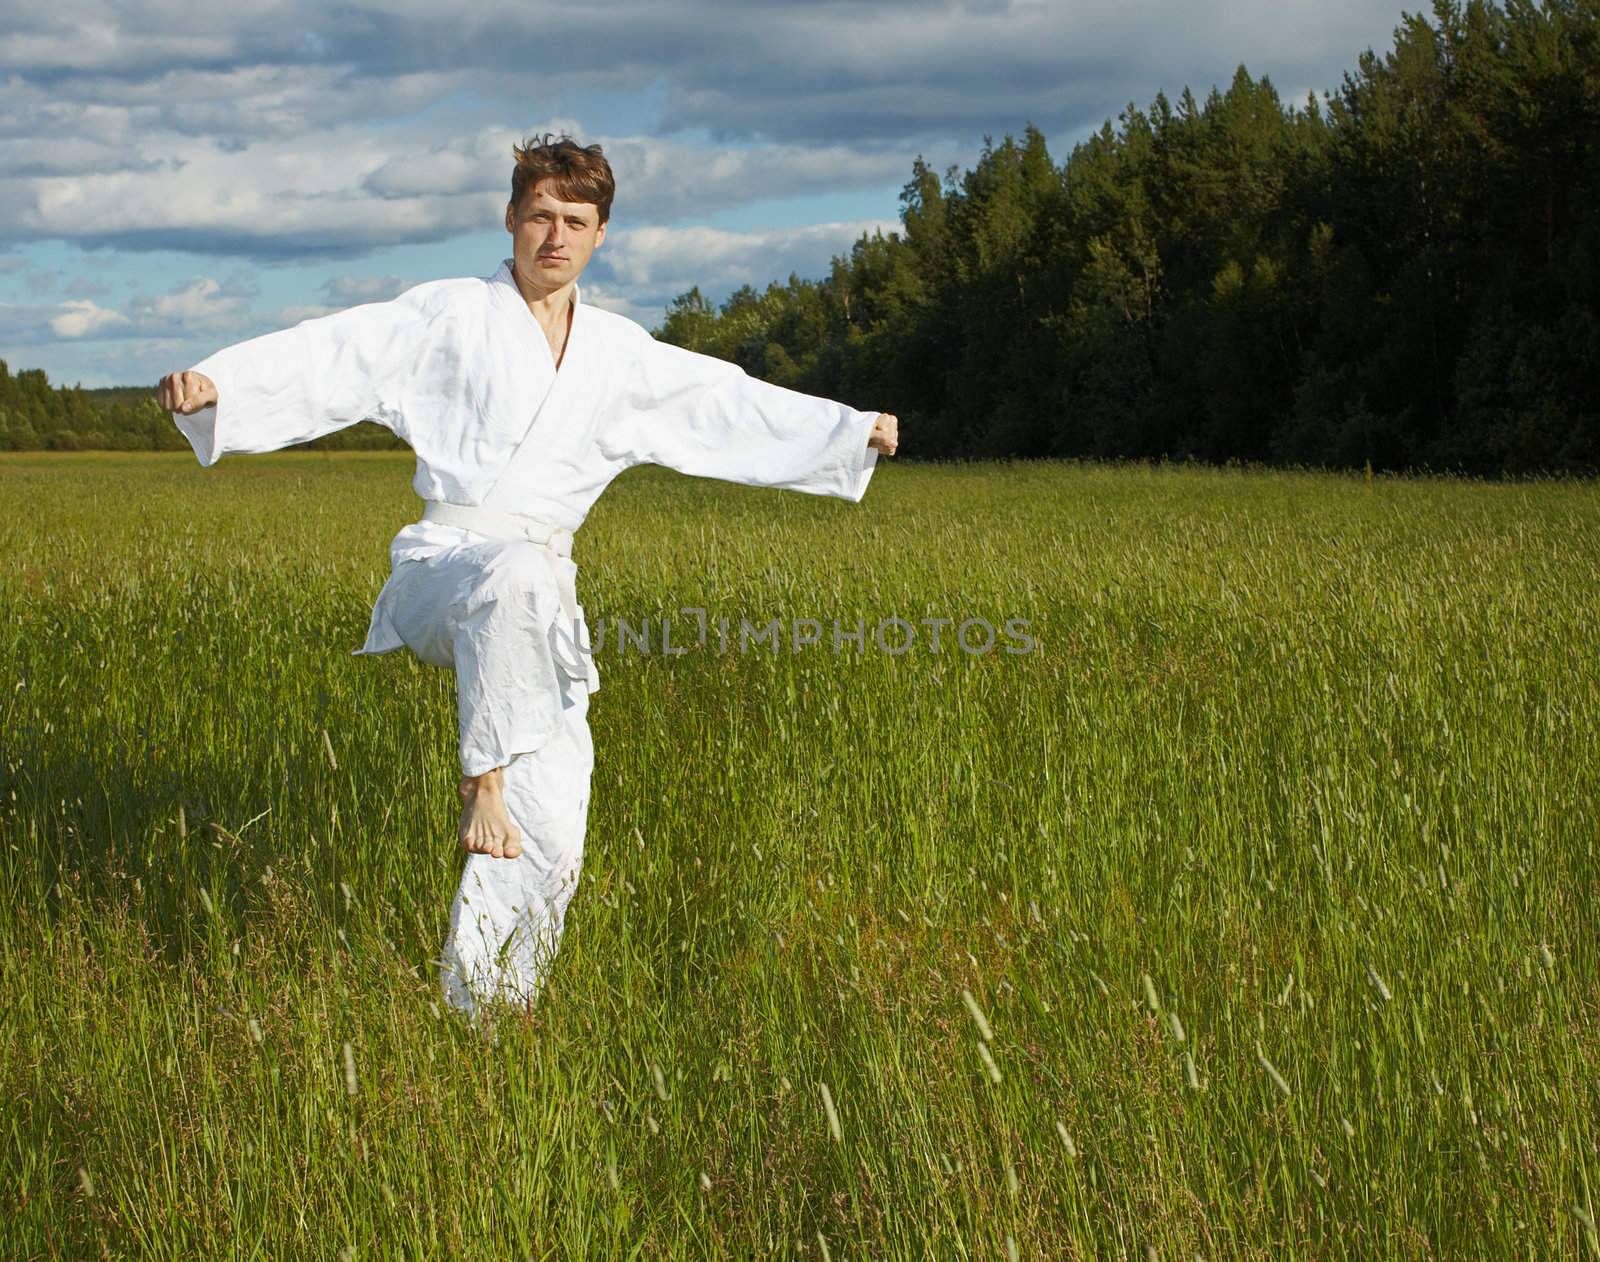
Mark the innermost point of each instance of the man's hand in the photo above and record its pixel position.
(189, 392)
(885, 436)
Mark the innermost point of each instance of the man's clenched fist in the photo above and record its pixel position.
(885, 435)
(186, 392)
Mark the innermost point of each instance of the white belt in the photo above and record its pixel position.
(513, 527)
(498, 525)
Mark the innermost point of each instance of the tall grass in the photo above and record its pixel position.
(1250, 915)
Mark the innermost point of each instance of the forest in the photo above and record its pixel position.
(1401, 274)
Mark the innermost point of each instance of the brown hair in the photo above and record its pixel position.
(577, 173)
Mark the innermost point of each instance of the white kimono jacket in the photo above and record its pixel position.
(461, 370)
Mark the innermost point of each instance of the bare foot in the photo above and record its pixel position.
(486, 826)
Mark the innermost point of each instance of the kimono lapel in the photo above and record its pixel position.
(569, 390)
(559, 384)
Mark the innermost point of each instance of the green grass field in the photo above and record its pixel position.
(1272, 872)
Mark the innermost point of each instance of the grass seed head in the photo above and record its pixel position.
(1066, 1140)
(349, 1069)
(1272, 1072)
(1590, 1236)
(981, 1021)
(833, 1117)
(660, 1082)
(988, 1062)
(1150, 998)
(1378, 984)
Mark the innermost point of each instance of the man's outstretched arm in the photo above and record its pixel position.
(300, 383)
(706, 417)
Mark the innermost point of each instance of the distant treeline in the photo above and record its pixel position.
(1406, 276)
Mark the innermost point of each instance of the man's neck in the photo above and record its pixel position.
(546, 304)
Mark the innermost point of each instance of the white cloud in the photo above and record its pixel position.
(83, 318)
(347, 291)
(351, 190)
(102, 43)
(201, 306)
(284, 317)
(620, 302)
(659, 258)
(201, 301)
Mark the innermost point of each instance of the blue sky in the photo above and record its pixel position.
(173, 180)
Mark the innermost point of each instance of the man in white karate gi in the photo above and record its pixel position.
(521, 404)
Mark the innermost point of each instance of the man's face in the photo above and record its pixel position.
(551, 240)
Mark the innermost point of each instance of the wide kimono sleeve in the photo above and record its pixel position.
(706, 417)
(320, 376)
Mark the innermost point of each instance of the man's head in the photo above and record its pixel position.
(560, 201)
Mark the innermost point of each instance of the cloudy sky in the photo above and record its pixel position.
(175, 177)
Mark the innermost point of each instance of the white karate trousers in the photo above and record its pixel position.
(480, 609)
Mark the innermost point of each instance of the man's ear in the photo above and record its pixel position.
(511, 216)
(600, 236)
